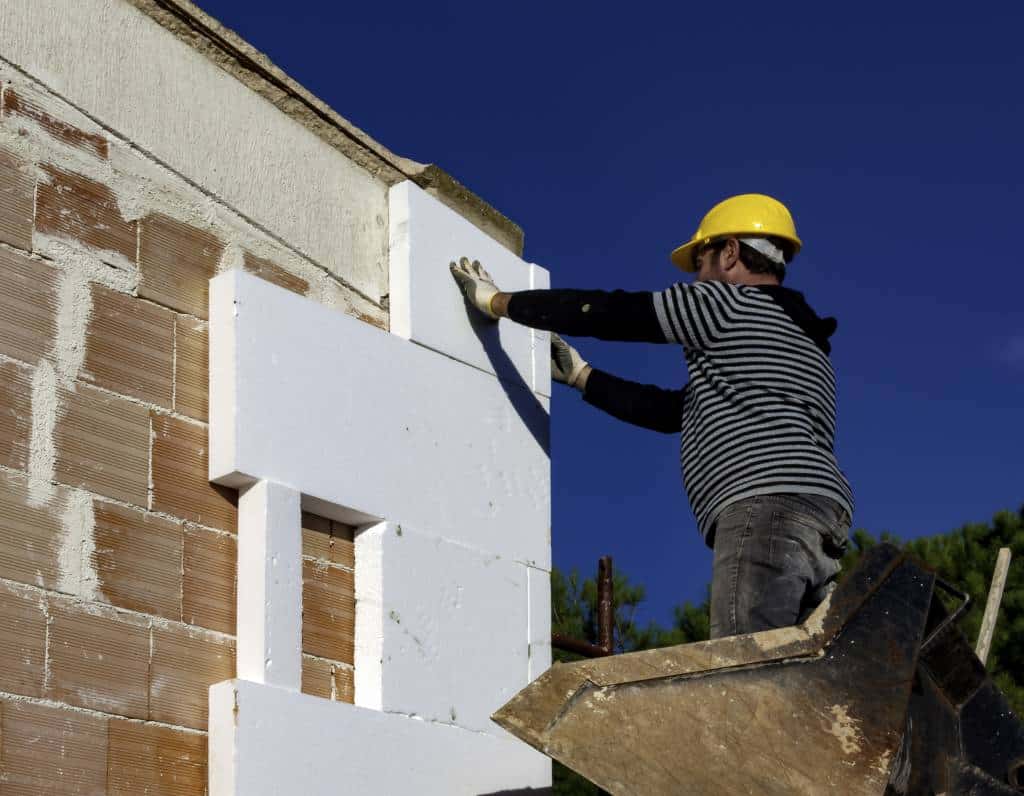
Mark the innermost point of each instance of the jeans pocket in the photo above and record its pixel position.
(810, 520)
(832, 525)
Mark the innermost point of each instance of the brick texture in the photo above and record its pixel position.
(191, 368)
(186, 662)
(328, 611)
(130, 347)
(210, 579)
(30, 536)
(17, 197)
(159, 761)
(103, 445)
(316, 536)
(22, 642)
(28, 307)
(176, 262)
(138, 560)
(180, 473)
(272, 272)
(327, 679)
(70, 205)
(48, 750)
(327, 540)
(16, 105)
(15, 415)
(98, 662)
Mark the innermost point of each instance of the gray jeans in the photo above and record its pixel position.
(776, 556)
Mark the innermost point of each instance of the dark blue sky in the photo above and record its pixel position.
(894, 135)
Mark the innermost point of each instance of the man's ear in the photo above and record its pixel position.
(730, 255)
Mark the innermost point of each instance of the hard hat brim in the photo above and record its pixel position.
(682, 257)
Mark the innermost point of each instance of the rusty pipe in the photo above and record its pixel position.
(605, 618)
(605, 605)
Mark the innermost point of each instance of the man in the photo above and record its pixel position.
(757, 416)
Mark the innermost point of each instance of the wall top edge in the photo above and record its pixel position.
(256, 71)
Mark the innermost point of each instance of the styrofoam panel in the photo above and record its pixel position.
(540, 279)
(452, 644)
(352, 416)
(369, 633)
(270, 586)
(266, 741)
(538, 585)
(426, 304)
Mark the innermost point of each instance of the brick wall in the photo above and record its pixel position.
(117, 557)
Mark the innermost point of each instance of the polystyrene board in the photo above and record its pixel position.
(426, 304)
(269, 648)
(540, 279)
(354, 417)
(453, 625)
(538, 586)
(266, 741)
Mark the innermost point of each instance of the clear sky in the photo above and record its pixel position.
(893, 132)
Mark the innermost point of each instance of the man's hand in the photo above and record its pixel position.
(476, 284)
(567, 366)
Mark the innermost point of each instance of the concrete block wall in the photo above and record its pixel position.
(117, 556)
(143, 150)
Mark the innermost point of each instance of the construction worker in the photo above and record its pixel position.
(757, 417)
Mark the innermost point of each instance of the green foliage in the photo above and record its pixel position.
(964, 557)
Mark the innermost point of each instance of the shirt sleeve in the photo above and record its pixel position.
(692, 314)
(606, 315)
(642, 405)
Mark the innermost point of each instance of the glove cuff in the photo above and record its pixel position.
(575, 378)
(488, 308)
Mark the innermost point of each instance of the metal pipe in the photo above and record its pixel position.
(605, 618)
(605, 605)
(585, 648)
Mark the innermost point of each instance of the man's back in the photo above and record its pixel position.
(759, 409)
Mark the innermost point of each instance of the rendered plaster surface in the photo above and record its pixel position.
(451, 641)
(427, 308)
(180, 107)
(244, 62)
(265, 740)
(358, 418)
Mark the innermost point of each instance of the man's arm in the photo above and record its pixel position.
(607, 315)
(640, 404)
(690, 314)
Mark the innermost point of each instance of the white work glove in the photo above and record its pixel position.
(567, 366)
(476, 284)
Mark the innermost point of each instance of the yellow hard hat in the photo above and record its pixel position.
(752, 214)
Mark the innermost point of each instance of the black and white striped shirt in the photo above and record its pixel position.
(758, 414)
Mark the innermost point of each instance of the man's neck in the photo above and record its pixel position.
(758, 279)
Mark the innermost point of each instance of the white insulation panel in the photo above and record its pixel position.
(354, 417)
(427, 307)
(447, 628)
(266, 741)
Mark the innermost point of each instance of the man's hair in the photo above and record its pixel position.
(758, 263)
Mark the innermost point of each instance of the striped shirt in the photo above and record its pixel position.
(758, 414)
